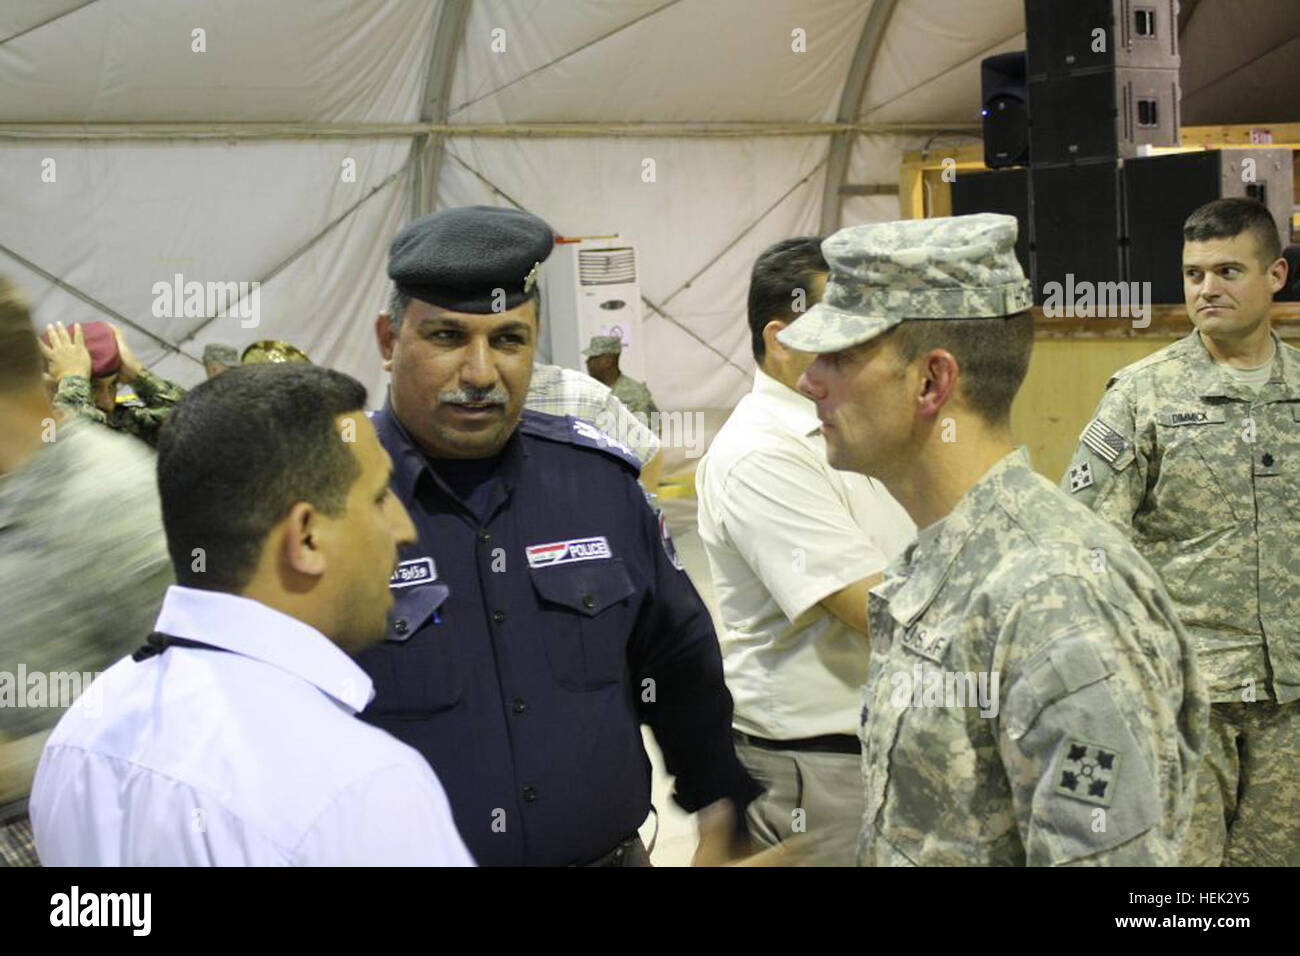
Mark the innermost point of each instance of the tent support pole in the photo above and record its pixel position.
(855, 85)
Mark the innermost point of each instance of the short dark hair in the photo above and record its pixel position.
(1225, 218)
(20, 357)
(993, 354)
(781, 269)
(242, 449)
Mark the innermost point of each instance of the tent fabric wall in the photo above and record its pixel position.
(276, 206)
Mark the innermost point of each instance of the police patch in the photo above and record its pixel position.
(413, 572)
(1087, 772)
(1080, 476)
(1107, 443)
(566, 552)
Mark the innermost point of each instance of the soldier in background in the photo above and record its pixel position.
(1031, 698)
(602, 365)
(83, 562)
(69, 365)
(219, 358)
(1194, 452)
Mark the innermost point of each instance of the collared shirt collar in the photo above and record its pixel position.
(794, 410)
(929, 558)
(254, 630)
(410, 460)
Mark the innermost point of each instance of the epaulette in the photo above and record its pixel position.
(575, 431)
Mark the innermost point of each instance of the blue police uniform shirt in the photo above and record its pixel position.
(539, 620)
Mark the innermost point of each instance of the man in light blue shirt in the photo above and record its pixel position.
(230, 737)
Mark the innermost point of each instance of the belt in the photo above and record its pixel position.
(825, 744)
(616, 856)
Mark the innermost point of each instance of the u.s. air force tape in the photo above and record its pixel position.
(1107, 443)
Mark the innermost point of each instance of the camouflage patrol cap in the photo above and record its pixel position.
(604, 345)
(221, 354)
(959, 267)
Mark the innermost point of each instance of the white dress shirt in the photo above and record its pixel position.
(783, 530)
(247, 756)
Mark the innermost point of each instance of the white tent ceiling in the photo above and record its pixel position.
(226, 164)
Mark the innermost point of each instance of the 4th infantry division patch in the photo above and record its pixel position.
(1087, 772)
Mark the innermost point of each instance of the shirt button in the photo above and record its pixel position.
(499, 616)
(588, 601)
(400, 625)
(530, 794)
(484, 537)
(518, 706)
(1267, 460)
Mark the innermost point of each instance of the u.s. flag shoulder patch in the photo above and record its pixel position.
(566, 552)
(1108, 444)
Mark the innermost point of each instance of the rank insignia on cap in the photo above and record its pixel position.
(1087, 772)
(1105, 441)
(530, 280)
(1080, 476)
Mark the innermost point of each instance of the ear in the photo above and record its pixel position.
(770, 344)
(301, 548)
(939, 370)
(1277, 274)
(387, 339)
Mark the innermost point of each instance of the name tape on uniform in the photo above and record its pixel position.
(566, 552)
(412, 572)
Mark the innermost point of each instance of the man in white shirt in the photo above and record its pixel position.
(231, 736)
(794, 547)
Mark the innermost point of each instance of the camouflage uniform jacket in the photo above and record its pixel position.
(1204, 476)
(1088, 753)
(635, 395)
(157, 395)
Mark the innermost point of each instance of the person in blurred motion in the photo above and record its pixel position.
(87, 384)
(83, 561)
(230, 737)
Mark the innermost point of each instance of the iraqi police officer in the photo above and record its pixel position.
(1031, 696)
(1194, 452)
(543, 615)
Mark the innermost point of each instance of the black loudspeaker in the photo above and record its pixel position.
(1160, 192)
(1066, 36)
(1006, 110)
(1076, 218)
(1102, 115)
(1005, 191)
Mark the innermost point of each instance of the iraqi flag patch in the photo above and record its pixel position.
(566, 552)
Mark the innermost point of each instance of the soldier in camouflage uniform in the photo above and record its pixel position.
(1031, 697)
(1194, 452)
(69, 366)
(602, 364)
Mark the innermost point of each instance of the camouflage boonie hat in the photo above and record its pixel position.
(959, 267)
(604, 345)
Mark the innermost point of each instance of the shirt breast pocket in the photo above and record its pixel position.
(415, 669)
(586, 618)
(1200, 485)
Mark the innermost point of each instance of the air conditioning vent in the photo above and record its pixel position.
(606, 266)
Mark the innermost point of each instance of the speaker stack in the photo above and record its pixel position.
(1103, 82)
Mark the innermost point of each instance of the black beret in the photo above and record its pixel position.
(457, 258)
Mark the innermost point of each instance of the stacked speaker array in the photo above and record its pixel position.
(1064, 123)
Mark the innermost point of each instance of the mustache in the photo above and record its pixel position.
(473, 396)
